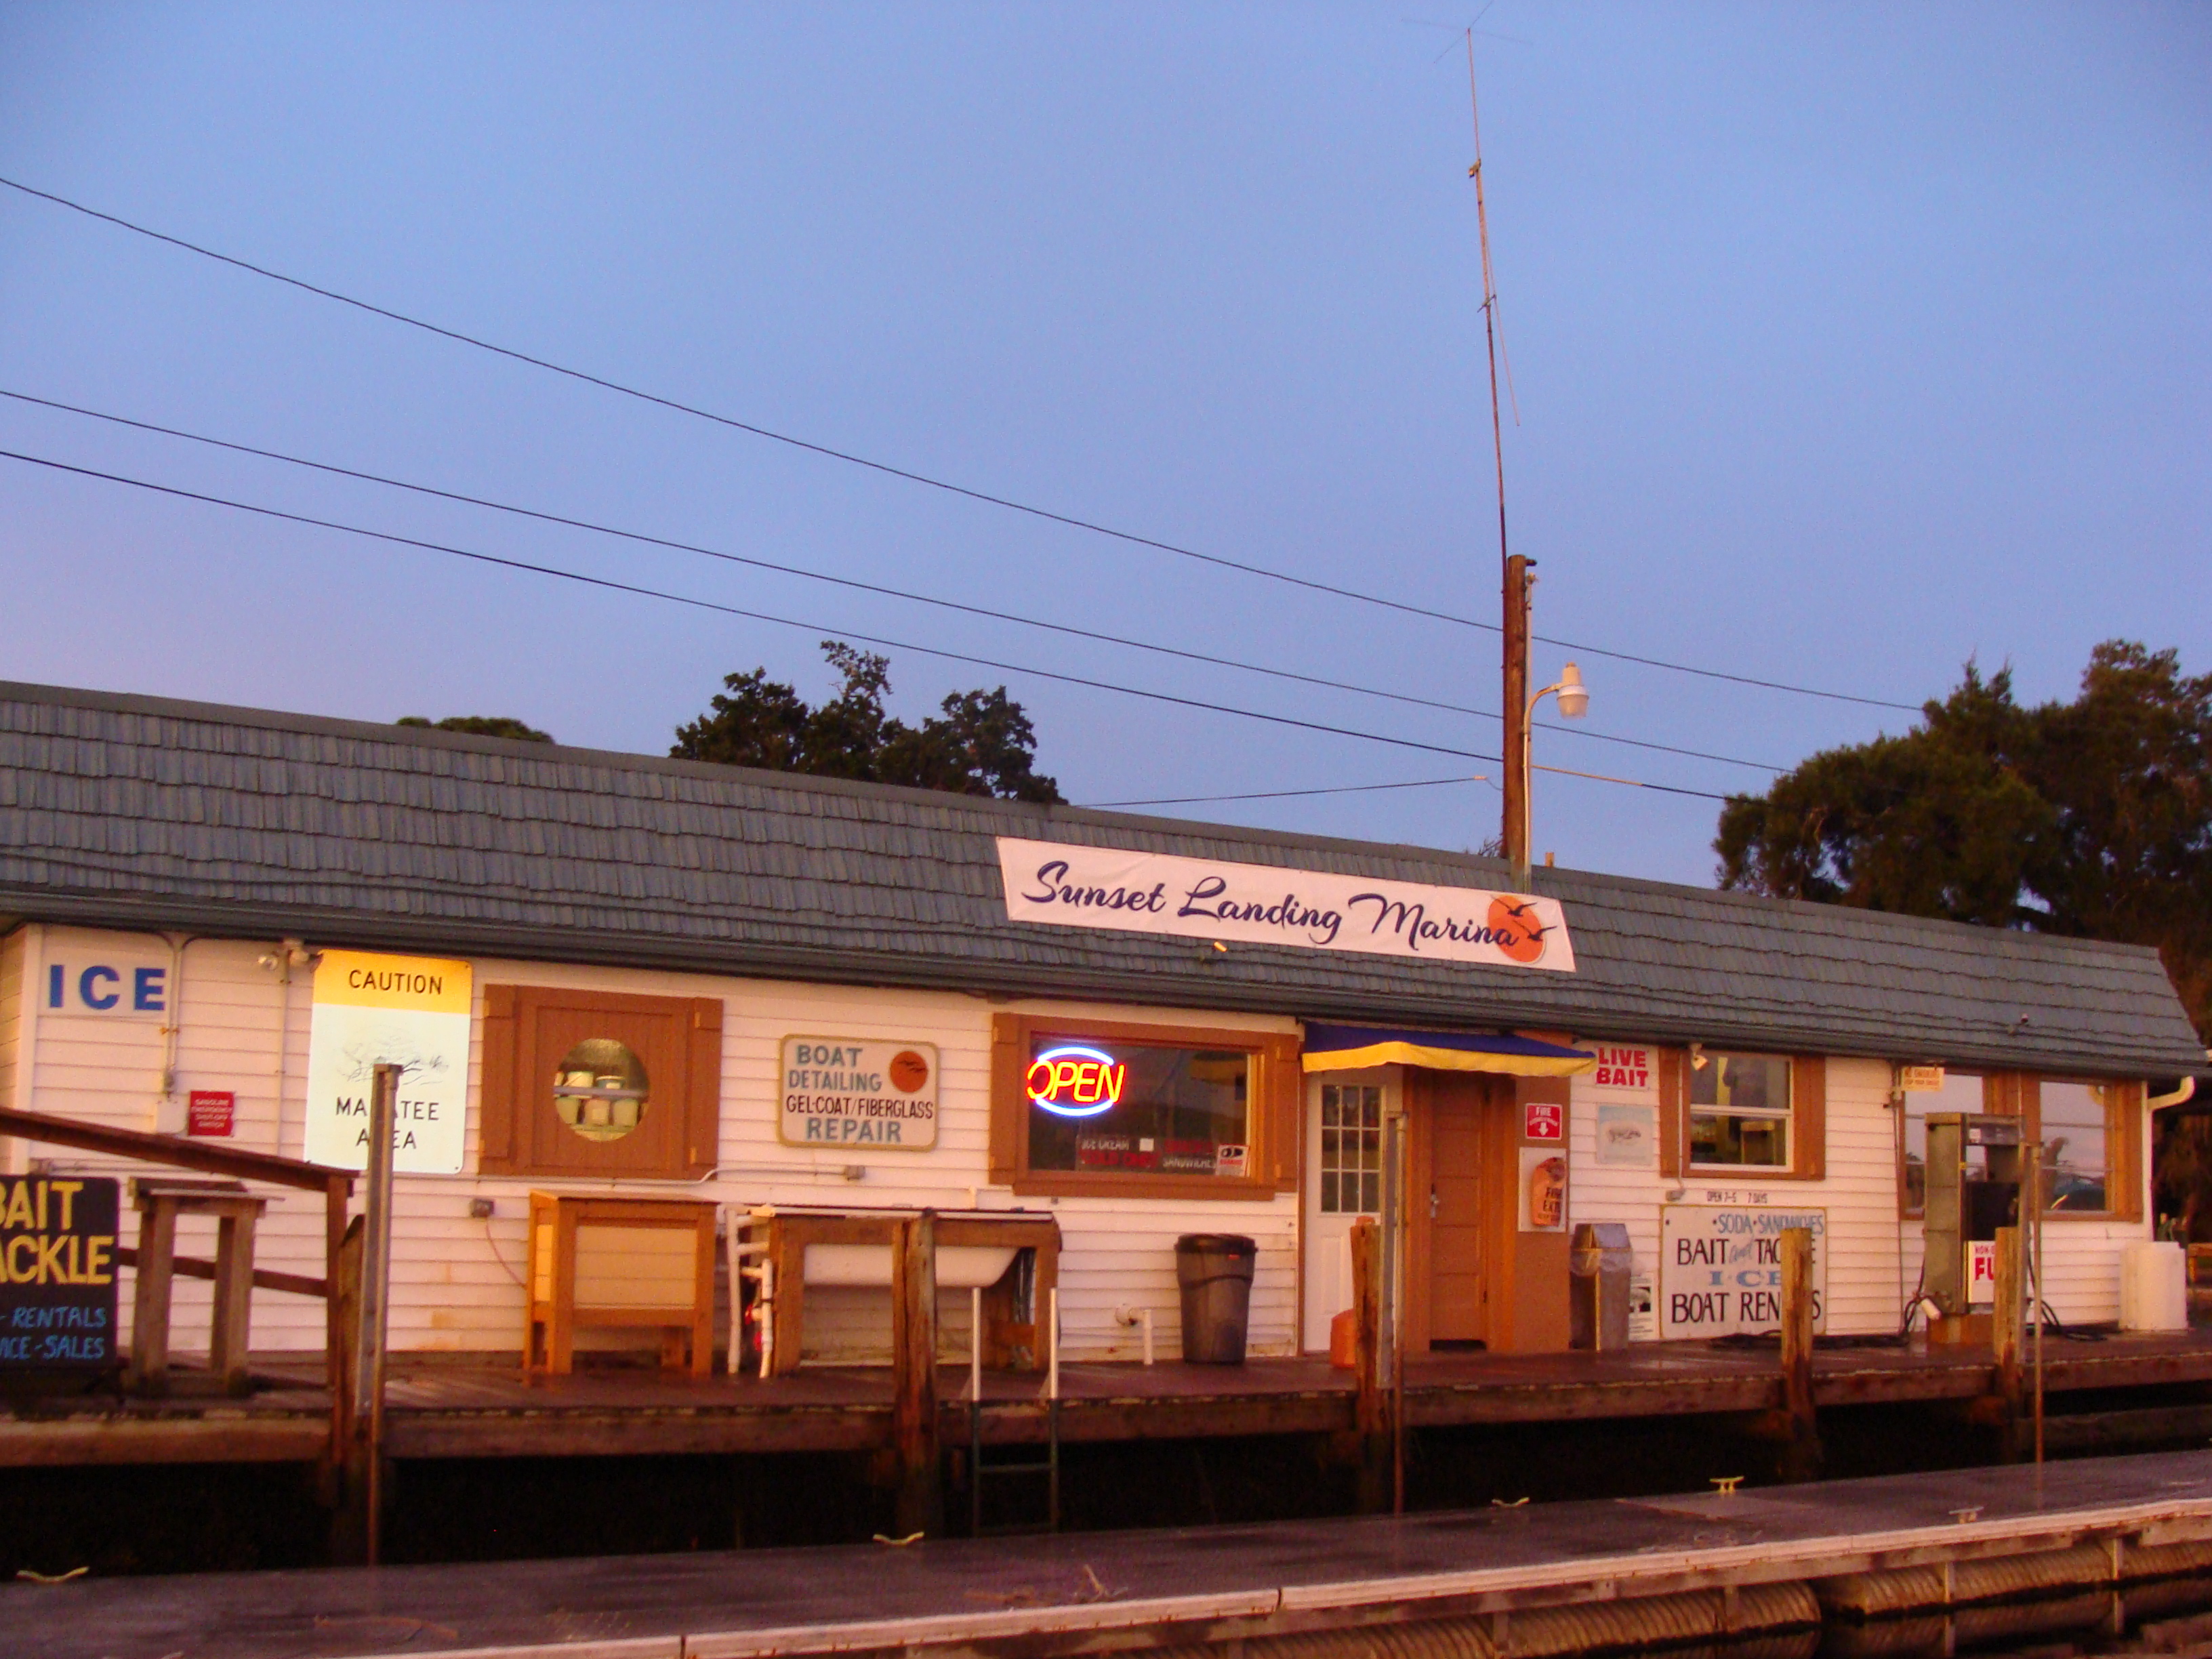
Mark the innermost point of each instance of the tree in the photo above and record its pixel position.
(981, 744)
(2092, 818)
(481, 725)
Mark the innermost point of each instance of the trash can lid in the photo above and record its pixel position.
(1216, 1244)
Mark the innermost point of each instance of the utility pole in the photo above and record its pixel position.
(1514, 838)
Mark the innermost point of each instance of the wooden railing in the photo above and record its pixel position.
(335, 1186)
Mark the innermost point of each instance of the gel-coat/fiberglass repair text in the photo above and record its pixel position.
(1069, 886)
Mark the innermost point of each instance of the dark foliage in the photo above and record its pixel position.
(481, 725)
(981, 743)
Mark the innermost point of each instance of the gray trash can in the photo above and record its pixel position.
(1598, 1266)
(1214, 1272)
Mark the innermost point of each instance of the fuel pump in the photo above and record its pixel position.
(1974, 1179)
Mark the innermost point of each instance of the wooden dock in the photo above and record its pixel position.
(445, 1408)
(2129, 1531)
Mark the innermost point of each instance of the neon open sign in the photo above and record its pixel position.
(1077, 1082)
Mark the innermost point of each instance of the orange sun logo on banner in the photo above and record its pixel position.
(1516, 928)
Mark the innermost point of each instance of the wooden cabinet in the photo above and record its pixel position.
(646, 1264)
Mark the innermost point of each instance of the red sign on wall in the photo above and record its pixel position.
(1547, 1120)
(212, 1112)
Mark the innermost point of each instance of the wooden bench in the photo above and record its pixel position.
(237, 1212)
(769, 1246)
(639, 1263)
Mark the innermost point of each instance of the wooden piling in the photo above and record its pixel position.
(2006, 1341)
(1801, 1458)
(1370, 1368)
(920, 1499)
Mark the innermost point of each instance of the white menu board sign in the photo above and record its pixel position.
(1720, 1268)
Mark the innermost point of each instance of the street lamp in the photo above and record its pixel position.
(1574, 704)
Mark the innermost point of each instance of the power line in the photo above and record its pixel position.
(859, 585)
(922, 478)
(612, 585)
(1285, 794)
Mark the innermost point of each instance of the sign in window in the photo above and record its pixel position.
(1117, 1107)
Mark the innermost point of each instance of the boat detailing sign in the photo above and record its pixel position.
(1720, 1269)
(57, 1272)
(852, 1092)
(1069, 886)
(408, 1011)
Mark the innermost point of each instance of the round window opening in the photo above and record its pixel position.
(599, 1089)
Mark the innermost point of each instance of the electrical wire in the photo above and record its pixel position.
(885, 468)
(1285, 794)
(642, 592)
(855, 583)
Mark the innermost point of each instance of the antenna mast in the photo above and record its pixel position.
(1514, 839)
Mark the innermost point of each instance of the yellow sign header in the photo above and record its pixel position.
(357, 979)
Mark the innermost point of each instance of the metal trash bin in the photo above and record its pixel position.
(1599, 1262)
(1214, 1273)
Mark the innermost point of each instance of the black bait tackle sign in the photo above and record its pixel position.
(57, 1272)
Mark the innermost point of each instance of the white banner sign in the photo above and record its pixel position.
(408, 1011)
(1067, 886)
(843, 1091)
(1720, 1269)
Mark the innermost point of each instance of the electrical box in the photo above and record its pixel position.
(1974, 1179)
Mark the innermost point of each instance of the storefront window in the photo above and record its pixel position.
(1739, 1110)
(1961, 1092)
(1351, 1149)
(1114, 1107)
(2075, 1158)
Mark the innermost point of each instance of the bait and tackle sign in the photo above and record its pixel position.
(1720, 1269)
(1069, 886)
(57, 1272)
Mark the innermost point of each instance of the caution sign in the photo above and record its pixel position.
(56, 1273)
(1720, 1269)
(856, 1093)
(408, 1011)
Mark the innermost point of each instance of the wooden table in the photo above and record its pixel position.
(777, 1237)
(237, 1212)
(639, 1263)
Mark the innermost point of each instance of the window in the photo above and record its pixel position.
(1097, 1107)
(588, 1083)
(1739, 1111)
(2075, 1129)
(1961, 1092)
(1350, 1171)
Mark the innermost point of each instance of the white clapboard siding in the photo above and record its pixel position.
(14, 950)
(1859, 1193)
(457, 1278)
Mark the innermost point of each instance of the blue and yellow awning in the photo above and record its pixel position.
(1348, 1048)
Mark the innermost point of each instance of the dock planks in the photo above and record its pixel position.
(1032, 1598)
(441, 1407)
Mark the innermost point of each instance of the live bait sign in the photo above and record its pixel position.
(1069, 886)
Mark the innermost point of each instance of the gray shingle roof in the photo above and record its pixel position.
(142, 812)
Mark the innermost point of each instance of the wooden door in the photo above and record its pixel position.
(1451, 1286)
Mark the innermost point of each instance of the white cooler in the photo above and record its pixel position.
(2154, 1288)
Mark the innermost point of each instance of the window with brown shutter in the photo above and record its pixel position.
(1145, 1111)
(592, 1083)
(1740, 1116)
(2091, 1132)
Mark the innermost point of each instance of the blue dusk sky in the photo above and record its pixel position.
(1847, 342)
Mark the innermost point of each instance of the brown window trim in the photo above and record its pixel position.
(1272, 1096)
(2021, 1093)
(514, 1071)
(1809, 1124)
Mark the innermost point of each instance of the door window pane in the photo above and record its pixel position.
(1351, 1149)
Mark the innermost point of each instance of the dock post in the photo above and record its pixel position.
(1368, 1371)
(1801, 1459)
(2005, 1339)
(358, 1533)
(919, 1505)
